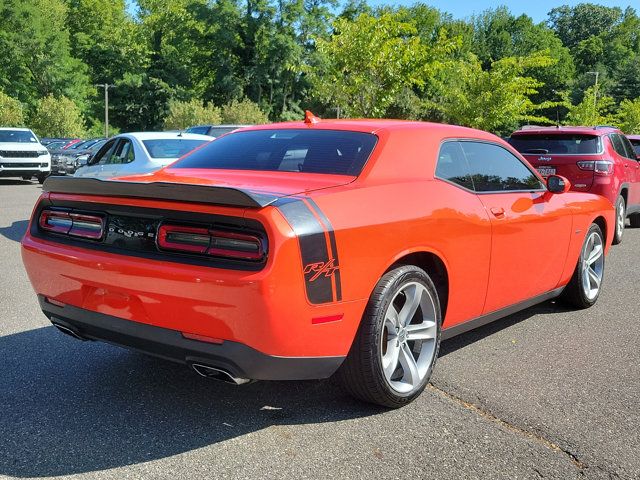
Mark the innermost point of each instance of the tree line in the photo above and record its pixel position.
(178, 63)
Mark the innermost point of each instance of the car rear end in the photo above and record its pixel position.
(213, 269)
(579, 155)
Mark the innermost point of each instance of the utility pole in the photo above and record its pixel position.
(106, 87)
(595, 91)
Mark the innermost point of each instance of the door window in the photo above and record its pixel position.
(122, 153)
(103, 155)
(495, 169)
(628, 148)
(452, 165)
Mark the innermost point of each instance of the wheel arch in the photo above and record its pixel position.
(435, 266)
(602, 223)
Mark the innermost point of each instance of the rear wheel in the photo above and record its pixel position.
(395, 349)
(634, 220)
(42, 178)
(584, 288)
(621, 218)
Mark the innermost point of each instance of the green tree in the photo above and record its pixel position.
(11, 111)
(628, 116)
(57, 117)
(243, 112)
(368, 62)
(187, 114)
(498, 99)
(594, 109)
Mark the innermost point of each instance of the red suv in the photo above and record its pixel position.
(598, 159)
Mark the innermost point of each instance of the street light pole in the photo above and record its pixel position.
(106, 87)
(595, 91)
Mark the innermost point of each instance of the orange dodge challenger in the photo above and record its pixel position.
(298, 250)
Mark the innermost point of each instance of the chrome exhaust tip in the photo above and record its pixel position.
(68, 331)
(218, 374)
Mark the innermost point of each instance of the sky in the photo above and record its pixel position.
(537, 9)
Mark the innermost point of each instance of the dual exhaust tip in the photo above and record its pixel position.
(206, 371)
(218, 374)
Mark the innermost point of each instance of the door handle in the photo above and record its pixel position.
(497, 211)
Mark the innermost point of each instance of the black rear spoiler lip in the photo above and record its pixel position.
(180, 192)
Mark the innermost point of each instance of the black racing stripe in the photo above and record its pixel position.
(334, 248)
(313, 246)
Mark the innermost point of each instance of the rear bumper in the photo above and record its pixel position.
(240, 360)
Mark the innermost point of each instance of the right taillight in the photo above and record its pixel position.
(599, 167)
(210, 242)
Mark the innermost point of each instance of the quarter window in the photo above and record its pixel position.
(493, 168)
(452, 165)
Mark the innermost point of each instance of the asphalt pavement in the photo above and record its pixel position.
(546, 393)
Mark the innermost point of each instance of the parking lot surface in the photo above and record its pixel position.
(546, 393)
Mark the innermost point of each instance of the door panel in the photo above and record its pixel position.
(530, 241)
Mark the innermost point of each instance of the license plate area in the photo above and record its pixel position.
(546, 171)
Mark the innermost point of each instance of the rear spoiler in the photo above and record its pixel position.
(181, 192)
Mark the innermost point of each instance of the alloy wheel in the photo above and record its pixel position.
(592, 265)
(408, 341)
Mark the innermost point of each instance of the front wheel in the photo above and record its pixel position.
(621, 218)
(396, 346)
(584, 288)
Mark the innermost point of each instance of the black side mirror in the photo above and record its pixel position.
(558, 184)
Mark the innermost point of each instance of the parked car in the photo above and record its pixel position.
(635, 141)
(598, 159)
(358, 256)
(58, 149)
(80, 158)
(130, 153)
(22, 155)
(214, 130)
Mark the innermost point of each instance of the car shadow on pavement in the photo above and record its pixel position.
(15, 231)
(71, 407)
(456, 343)
(13, 181)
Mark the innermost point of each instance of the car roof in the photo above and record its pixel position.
(567, 129)
(163, 135)
(633, 137)
(22, 129)
(226, 125)
(378, 125)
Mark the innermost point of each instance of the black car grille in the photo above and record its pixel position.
(20, 165)
(10, 154)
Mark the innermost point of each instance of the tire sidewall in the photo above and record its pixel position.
(620, 204)
(580, 270)
(404, 275)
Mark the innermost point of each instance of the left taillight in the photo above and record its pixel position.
(73, 224)
(210, 242)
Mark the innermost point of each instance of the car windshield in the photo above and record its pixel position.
(218, 131)
(19, 136)
(170, 147)
(636, 144)
(312, 151)
(568, 144)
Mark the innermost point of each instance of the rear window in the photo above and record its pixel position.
(19, 136)
(568, 144)
(312, 151)
(170, 147)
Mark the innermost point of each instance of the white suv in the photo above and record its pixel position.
(22, 155)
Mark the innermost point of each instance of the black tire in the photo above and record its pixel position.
(362, 374)
(42, 178)
(634, 220)
(574, 294)
(619, 230)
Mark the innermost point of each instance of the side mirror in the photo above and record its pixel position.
(558, 184)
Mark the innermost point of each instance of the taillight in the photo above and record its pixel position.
(599, 167)
(205, 241)
(73, 224)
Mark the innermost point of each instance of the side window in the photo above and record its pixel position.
(618, 146)
(494, 169)
(102, 156)
(122, 153)
(452, 165)
(628, 148)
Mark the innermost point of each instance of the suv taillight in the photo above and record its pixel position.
(599, 167)
(73, 224)
(215, 243)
